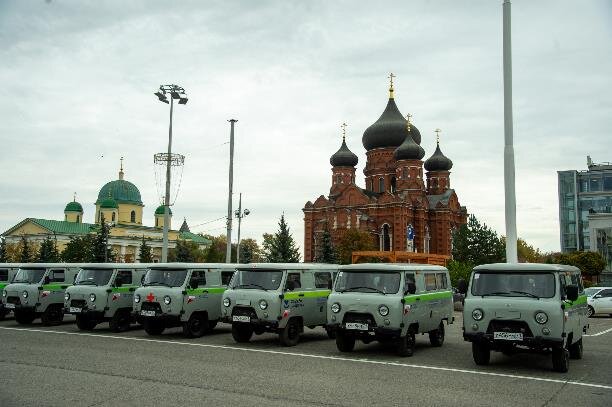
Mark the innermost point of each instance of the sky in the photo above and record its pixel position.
(78, 81)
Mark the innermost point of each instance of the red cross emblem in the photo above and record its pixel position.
(150, 297)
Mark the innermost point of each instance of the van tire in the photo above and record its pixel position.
(481, 353)
(436, 337)
(590, 311)
(121, 321)
(53, 315)
(344, 342)
(405, 345)
(575, 350)
(290, 334)
(560, 360)
(85, 323)
(24, 317)
(242, 333)
(154, 328)
(196, 326)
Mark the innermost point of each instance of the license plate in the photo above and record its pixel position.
(147, 313)
(9, 305)
(241, 318)
(357, 325)
(75, 310)
(508, 336)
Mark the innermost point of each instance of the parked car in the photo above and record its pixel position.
(599, 300)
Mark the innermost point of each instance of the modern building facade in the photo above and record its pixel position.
(402, 207)
(585, 209)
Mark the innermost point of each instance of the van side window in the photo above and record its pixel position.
(323, 280)
(430, 281)
(125, 276)
(3, 275)
(577, 281)
(56, 276)
(200, 276)
(295, 277)
(226, 277)
(410, 279)
(441, 281)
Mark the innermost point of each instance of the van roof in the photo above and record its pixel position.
(286, 266)
(533, 267)
(116, 266)
(192, 266)
(391, 267)
(51, 265)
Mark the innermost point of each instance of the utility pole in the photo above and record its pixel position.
(240, 214)
(509, 179)
(228, 251)
(164, 258)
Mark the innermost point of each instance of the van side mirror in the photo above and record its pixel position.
(571, 291)
(462, 286)
(46, 280)
(290, 285)
(194, 283)
(410, 288)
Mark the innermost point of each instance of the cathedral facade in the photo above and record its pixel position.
(402, 207)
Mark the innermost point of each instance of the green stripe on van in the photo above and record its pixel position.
(210, 290)
(579, 301)
(2, 285)
(306, 294)
(409, 299)
(124, 288)
(55, 287)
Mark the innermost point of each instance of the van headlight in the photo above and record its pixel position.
(167, 300)
(383, 310)
(24, 294)
(66, 297)
(137, 298)
(92, 297)
(541, 317)
(336, 307)
(4, 293)
(227, 302)
(263, 304)
(477, 314)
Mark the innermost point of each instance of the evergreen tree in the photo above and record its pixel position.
(28, 254)
(325, 252)
(476, 244)
(80, 249)
(282, 246)
(353, 240)
(145, 252)
(102, 253)
(183, 252)
(3, 251)
(48, 251)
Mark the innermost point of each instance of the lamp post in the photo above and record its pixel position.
(240, 214)
(228, 249)
(175, 92)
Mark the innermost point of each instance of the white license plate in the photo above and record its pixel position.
(508, 336)
(147, 313)
(9, 305)
(75, 310)
(357, 325)
(241, 318)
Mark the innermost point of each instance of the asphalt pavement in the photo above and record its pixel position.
(60, 365)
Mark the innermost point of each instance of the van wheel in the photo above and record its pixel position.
(85, 323)
(290, 335)
(575, 350)
(560, 359)
(24, 317)
(344, 342)
(53, 315)
(436, 337)
(405, 345)
(590, 311)
(154, 328)
(196, 326)
(481, 353)
(120, 322)
(242, 332)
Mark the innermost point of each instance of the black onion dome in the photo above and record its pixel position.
(389, 130)
(438, 161)
(409, 150)
(343, 157)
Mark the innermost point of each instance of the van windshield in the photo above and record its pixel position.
(93, 277)
(257, 280)
(29, 276)
(517, 284)
(368, 282)
(168, 278)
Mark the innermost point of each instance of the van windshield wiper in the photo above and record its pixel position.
(86, 282)
(156, 283)
(496, 293)
(253, 285)
(525, 293)
(367, 288)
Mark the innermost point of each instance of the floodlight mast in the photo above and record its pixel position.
(175, 92)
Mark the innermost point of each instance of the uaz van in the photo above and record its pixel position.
(7, 273)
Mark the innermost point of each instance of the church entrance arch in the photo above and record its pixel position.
(385, 238)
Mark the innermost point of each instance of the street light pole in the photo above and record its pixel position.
(228, 251)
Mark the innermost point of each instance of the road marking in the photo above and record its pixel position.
(600, 333)
(306, 355)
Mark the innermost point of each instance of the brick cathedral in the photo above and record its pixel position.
(399, 200)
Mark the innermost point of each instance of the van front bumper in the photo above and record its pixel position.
(376, 332)
(169, 320)
(258, 325)
(89, 313)
(537, 342)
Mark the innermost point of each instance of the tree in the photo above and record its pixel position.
(527, 253)
(282, 247)
(3, 251)
(324, 250)
(216, 251)
(351, 241)
(458, 270)
(27, 254)
(186, 252)
(590, 263)
(48, 251)
(476, 244)
(102, 253)
(250, 251)
(80, 249)
(145, 252)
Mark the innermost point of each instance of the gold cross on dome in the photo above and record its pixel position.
(408, 121)
(437, 135)
(121, 169)
(74, 197)
(343, 131)
(391, 76)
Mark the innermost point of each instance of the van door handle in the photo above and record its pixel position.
(300, 294)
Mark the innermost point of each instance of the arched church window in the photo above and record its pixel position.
(133, 217)
(405, 173)
(393, 184)
(113, 217)
(381, 185)
(156, 222)
(338, 179)
(78, 218)
(386, 238)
